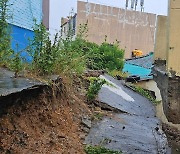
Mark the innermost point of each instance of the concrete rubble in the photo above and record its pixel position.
(9, 84)
(136, 130)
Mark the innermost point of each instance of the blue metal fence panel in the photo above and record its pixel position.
(22, 14)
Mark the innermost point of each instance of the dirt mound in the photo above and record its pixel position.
(42, 121)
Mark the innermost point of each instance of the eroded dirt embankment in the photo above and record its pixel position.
(42, 120)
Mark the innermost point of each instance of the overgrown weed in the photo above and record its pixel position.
(99, 150)
(145, 93)
(94, 87)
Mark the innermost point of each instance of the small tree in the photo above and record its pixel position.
(42, 50)
(5, 45)
(16, 63)
(113, 56)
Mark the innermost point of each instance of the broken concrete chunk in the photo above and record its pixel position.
(86, 122)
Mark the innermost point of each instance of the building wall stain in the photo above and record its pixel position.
(133, 29)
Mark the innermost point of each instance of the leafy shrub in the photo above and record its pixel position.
(58, 56)
(112, 56)
(16, 64)
(94, 87)
(41, 50)
(69, 62)
(105, 56)
(145, 93)
(99, 150)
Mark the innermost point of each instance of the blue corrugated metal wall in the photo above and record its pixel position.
(23, 13)
(21, 36)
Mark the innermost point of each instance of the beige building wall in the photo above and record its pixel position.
(160, 49)
(64, 30)
(169, 81)
(174, 38)
(134, 30)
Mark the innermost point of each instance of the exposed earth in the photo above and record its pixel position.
(38, 118)
(43, 120)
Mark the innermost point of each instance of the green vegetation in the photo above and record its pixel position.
(94, 87)
(106, 56)
(5, 46)
(61, 56)
(72, 56)
(99, 150)
(145, 93)
(117, 73)
(16, 64)
(44, 54)
(97, 116)
(8, 57)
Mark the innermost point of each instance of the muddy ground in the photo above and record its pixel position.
(173, 135)
(56, 119)
(43, 121)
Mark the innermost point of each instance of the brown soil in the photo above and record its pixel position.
(173, 135)
(43, 122)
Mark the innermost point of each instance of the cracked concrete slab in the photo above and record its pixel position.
(9, 84)
(127, 100)
(133, 134)
(137, 131)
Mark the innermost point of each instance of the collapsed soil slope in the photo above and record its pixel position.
(42, 120)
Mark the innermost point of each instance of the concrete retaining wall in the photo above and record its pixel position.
(174, 38)
(160, 49)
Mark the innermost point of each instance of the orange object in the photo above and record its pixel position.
(137, 53)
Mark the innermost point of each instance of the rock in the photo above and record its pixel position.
(94, 73)
(156, 128)
(86, 122)
(82, 136)
(85, 129)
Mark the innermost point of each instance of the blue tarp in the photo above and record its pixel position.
(140, 66)
(137, 70)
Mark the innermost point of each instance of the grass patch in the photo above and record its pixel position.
(94, 87)
(118, 74)
(99, 150)
(97, 116)
(145, 93)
